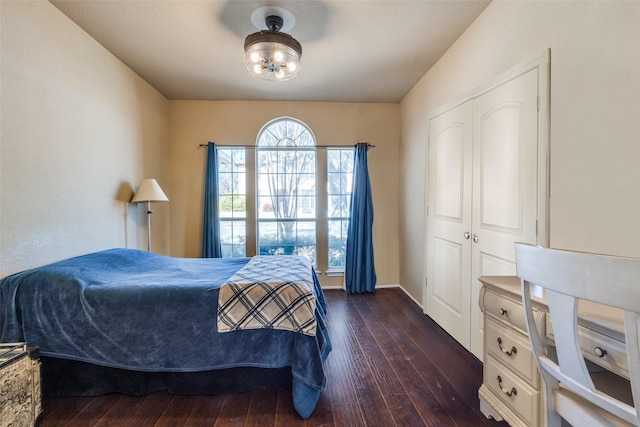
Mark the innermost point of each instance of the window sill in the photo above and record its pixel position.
(335, 272)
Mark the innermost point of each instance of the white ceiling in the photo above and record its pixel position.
(353, 50)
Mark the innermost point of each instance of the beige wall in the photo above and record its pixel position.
(79, 129)
(238, 122)
(595, 131)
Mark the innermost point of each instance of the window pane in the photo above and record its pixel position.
(288, 238)
(233, 238)
(337, 242)
(265, 208)
(336, 208)
(333, 161)
(232, 206)
(339, 177)
(339, 180)
(232, 200)
(269, 232)
(345, 205)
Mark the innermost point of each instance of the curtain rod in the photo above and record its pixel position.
(285, 148)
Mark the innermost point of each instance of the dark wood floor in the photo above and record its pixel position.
(390, 366)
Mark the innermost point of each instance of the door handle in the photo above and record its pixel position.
(467, 235)
(475, 238)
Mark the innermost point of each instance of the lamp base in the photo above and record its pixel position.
(149, 212)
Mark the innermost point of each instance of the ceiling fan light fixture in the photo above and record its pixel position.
(271, 54)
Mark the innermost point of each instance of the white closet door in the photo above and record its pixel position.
(505, 171)
(449, 221)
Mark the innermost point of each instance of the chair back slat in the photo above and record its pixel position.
(563, 309)
(632, 339)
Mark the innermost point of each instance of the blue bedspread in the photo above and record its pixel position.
(136, 310)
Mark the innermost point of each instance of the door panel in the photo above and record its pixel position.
(505, 141)
(447, 259)
(499, 176)
(449, 200)
(449, 151)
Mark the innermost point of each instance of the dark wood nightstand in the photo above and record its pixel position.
(20, 396)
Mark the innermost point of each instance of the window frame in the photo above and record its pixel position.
(301, 141)
(321, 199)
(344, 192)
(242, 192)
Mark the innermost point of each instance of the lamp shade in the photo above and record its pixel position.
(149, 191)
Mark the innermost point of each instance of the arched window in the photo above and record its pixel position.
(292, 213)
(286, 189)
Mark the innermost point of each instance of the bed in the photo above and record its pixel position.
(136, 314)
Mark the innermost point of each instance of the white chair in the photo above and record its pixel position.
(567, 277)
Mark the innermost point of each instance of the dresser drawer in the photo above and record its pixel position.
(509, 311)
(614, 356)
(512, 390)
(511, 349)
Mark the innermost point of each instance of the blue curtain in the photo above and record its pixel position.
(360, 272)
(211, 247)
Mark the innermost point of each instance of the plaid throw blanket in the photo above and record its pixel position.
(271, 292)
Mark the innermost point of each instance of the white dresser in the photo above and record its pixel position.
(512, 387)
(511, 383)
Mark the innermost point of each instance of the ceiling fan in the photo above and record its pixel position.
(272, 54)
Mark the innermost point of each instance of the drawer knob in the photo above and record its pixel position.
(502, 311)
(513, 350)
(512, 392)
(600, 352)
